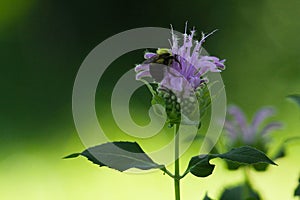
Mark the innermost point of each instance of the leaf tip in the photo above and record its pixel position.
(274, 164)
(73, 155)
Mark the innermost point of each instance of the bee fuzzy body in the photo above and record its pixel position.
(162, 57)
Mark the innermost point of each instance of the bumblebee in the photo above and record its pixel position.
(164, 56)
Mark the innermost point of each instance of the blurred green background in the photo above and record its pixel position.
(42, 45)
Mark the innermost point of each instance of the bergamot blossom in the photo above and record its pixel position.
(185, 75)
(190, 64)
(255, 133)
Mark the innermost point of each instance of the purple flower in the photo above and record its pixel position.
(249, 133)
(180, 74)
(188, 68)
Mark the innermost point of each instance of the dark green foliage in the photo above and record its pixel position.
(241, 192)
(297, 190)
(257, 166)
(247, 155)
(204, 100)
(207, 197)
(168, 100)
(260, 166)
(172, 106)
(281, 152)
(295, 98)
(200, 166)
(233, 165)
(158, 99)
(118, 155)
(175, 106)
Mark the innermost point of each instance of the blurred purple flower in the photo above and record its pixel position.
(238, 129)
(187, 72)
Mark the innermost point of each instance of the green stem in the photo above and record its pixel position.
(247, 176)
(177, 173)
(248, 186)
(167, 172)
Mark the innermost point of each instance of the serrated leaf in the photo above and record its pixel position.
(295, 98)
(119, 156)
(200, 166)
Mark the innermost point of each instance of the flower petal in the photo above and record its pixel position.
(149, 55)
(231, 129)
(271, 127)
(239, 116)
(142, 74)
(260, 116)
(142, 67)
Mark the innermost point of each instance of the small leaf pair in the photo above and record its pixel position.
(122, 156)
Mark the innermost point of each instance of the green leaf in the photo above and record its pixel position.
(241, 192)
(246, 155)
(281, 152)
(74, 155)
(200, 166)
(207, 197)
(119, 156)
(297, 190)
(156, 99)
(233, 165)
(204, 100)
(260, 167)
(295, 98)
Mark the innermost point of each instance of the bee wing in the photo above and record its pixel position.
(157, 71)
(150, 60)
